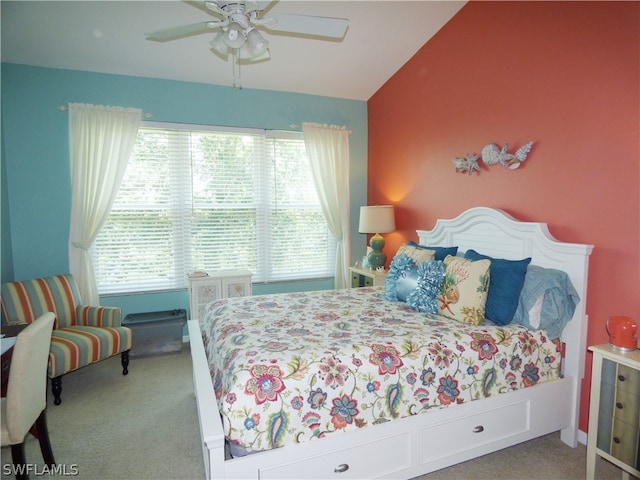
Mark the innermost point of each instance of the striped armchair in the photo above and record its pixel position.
(82, 334)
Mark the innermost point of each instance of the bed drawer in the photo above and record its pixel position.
(450, 438)
(365, 460)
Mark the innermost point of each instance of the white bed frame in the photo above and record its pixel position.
(413, 446)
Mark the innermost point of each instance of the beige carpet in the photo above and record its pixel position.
(139, 426)
(144, 426)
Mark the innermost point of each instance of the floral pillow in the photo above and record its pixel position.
(418, 255)
(440, 252)
(463, 294)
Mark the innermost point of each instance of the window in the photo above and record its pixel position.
(207, 198)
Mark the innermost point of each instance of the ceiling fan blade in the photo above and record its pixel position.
(204, 4)
(262, 4)
(177, 32)
(308, 25)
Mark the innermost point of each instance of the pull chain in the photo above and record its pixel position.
(237, 77)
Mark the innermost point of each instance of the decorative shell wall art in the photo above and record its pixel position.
(493, 155)
(467, 164)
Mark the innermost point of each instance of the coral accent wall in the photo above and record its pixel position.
(563, 74)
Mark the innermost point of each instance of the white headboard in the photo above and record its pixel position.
(496, 233)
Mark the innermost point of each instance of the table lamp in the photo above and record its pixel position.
(377, 219)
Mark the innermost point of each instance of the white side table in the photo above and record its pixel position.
(614, 411)
(364, 277)
(223, 284)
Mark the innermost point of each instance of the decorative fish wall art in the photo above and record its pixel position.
(491, 155)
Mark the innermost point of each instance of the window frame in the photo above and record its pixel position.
(264, 210)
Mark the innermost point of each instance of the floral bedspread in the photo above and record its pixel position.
(294, 367)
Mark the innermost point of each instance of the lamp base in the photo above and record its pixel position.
(376, 260)
(376, 257)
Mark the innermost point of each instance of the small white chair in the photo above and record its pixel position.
(26, 400)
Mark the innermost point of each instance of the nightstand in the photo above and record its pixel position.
(614, 411)
(364, 277)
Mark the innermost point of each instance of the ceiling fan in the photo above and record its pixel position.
(240, 23)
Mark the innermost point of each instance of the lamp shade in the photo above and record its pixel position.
(377, 219)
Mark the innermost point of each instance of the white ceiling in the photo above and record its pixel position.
(108, 37)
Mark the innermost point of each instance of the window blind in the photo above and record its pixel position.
(203, 198)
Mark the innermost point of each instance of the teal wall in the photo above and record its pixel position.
(36, 192)
(6, 267)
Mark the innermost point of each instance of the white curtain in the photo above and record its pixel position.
(101, 140)
(328, 151)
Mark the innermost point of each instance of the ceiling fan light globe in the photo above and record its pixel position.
(244, 52)
(234, 35)
(257, 43)
(219, 44)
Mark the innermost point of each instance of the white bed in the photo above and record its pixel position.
(438, 438)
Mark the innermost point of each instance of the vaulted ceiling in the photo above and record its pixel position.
(109, 37)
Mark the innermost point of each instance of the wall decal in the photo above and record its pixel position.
(491, 155)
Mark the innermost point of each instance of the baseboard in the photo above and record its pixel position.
(582, 437)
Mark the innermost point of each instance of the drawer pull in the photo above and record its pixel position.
(621, 378)
(341, 468)
(616, 440)
(619, 406)
(478, 429)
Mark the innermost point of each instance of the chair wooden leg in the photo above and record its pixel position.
(19, 464)
(56, 389)
(125, 362)
(43, 438)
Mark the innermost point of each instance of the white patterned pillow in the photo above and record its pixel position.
(418, 255)
(463, 295)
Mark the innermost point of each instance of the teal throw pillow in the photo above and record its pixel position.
(505, 285)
